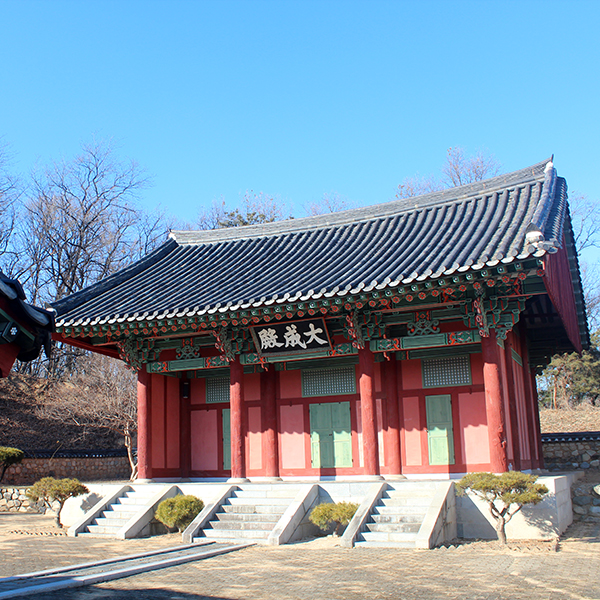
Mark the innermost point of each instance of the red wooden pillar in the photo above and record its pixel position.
(494, 404)
(536, 422)
(268, 395)
(185, 428)
(512, 401)
(528, 381)
(238, 429)
(8, 355)
(366, 365)
(390, 377)
(531, 418)
(143, 436)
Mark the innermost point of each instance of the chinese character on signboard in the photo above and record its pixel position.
(291, 337)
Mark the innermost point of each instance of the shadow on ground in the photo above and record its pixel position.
(95, 593)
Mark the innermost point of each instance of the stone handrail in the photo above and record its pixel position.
(293, 515)
(439, 524)
(207, 514)
(102, 504)
(361, 516)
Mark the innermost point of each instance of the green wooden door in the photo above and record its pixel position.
(342, 434)
(439, 430)
(226, 440)
(330, 435)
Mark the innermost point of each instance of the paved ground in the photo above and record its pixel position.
(319, 570)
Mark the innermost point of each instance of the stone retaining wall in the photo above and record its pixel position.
(586, 502)
(15, 500)
(31, 470)
(566, 456)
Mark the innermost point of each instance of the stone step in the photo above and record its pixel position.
(95, 529)
(232, 534)
(407, 501)
(103, 522)
(394, 527)
(124, 508)
(396, 518)
(144, 491)
(235, 501)
(96, 535)
(235, 517)
(406, 510)
(408, 494)
(385, 536)
(117, 514)
(241, 525)
(131, 501)
(252, 508)
(289, 493)
(412, 486)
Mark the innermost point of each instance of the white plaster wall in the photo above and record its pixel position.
(546, 520)
(75, 508)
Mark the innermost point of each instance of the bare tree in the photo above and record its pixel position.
(585, 220)
(458, 169)
(330, 202)
(10, 191)
(80, 223)
(590, 281)
(415, 186)
(101, 392)
(256, 208)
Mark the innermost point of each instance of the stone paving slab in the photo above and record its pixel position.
(322, 570)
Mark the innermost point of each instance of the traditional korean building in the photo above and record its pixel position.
(24, 329)
(397, 339)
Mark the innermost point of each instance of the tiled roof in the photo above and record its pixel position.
(507, 218)
(37, 321)
(12, 290)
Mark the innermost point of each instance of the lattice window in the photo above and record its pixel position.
(451, 370)
(328, 382)
(217, 389)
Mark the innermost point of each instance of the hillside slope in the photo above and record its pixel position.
(21, 426)
(580, 418)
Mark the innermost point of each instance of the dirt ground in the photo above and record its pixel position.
(317, 569)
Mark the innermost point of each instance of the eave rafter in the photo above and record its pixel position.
(492, 297)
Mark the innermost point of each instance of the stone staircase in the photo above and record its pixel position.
(250, 514)
(395, 521)
(117, 515)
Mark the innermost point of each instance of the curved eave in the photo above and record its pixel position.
(499, 221)
(191, 312)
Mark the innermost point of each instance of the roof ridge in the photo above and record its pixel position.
(362, 214)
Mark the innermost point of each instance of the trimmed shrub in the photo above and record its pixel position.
(52, 490)
(333, 513)
(501, 492)
(8, 457)
(179, 511)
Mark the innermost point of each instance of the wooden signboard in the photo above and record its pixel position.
(291, 337)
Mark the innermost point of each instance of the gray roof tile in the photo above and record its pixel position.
(400, 241)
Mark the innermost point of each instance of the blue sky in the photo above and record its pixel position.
(301, 98)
